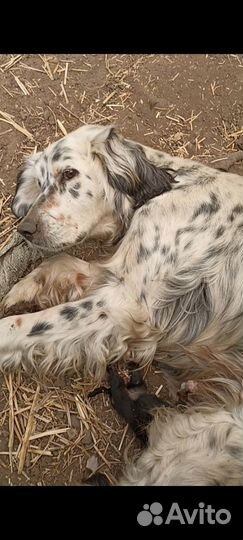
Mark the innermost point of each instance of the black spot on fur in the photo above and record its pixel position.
(185, 171)
(57, 154)
(63, 187)
(171, 259)
(40, 328)
(75, 194)
(87, 305)
(207, 208)
(182, 231)
(214, 202)
(42, 170)
(142, 297)
(219, 231)
(165, 250)
(143, 253)
(229, 430)
(212, 441)
(235, 451)
(156, 243)
(59, 151)
(157, 268)
(238, 209)
(240, 226)
(214, 251)
(69, 312)
(77, 185)
(90, 194)
(19, 182)
(188, 245)
(52, 189)
(205, 178)
(101, 303)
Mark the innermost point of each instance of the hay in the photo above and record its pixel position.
(9, 120)
(43, 425)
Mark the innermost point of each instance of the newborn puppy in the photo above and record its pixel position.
(134, 404)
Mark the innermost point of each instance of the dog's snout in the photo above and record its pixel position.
(27, 228)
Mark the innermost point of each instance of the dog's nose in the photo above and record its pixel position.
(27, 228)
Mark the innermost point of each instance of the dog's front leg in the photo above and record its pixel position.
(57, 280)
(81, 335)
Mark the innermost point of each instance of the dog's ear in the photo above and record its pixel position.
(27, 189)
(129, 170)
(99, 134)
(151, 180)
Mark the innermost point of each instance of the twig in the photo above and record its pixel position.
(28, 432)
(229, 161)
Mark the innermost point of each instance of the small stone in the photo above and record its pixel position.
(92, 464)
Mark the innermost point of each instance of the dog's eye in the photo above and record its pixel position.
(69, 174)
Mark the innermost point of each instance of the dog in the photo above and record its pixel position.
(172, 291)
(180, 446)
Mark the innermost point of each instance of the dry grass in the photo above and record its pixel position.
(57, 434)
(62, 427)
(7, 221)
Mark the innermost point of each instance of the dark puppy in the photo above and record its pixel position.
(134, 403)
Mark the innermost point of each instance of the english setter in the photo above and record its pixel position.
(173, 289)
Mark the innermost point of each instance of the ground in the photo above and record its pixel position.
(188, 105)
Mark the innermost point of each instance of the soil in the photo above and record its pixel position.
(188, 105)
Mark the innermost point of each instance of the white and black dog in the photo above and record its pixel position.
(173, 289)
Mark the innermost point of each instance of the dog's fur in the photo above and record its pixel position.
(200, 446)
(173, 290)
(196, 447)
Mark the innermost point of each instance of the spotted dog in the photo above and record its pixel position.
(173, 289)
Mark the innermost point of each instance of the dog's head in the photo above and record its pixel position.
(84, 185)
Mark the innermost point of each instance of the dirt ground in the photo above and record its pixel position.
(188, 105)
